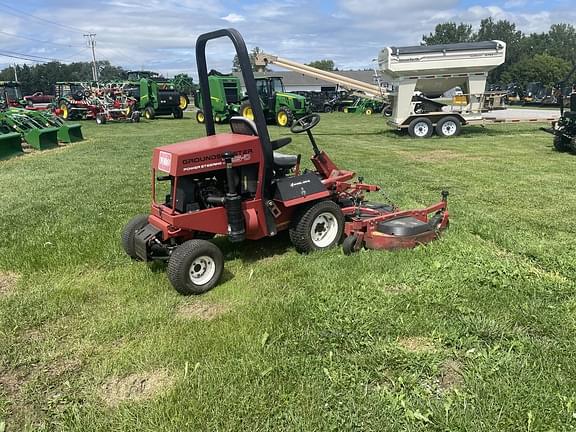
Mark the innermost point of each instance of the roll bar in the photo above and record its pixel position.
(253, 97)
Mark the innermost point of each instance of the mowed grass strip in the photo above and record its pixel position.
(473, 332)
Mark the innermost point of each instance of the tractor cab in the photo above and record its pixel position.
(10, 93)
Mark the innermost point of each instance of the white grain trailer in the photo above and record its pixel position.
(421, 73)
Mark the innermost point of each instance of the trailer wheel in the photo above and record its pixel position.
(420, 127)
(100, 119)
(317, 227)
(284, 117)
(387, 111)
(149, 113)
(561, 144)
(448, 127)
(200, 116)
(195, 267)
(246, 110)
(136, 223)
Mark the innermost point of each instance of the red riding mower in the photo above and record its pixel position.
(236, 184)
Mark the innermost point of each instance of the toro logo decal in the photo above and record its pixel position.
(165, 161)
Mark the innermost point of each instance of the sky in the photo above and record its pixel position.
(160, 35)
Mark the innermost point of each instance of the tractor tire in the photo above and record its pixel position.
(369, 111)
(183, 102)
(65, 110)
(135, 224)
(561, 144)
(284, 117)
(200, 117)
(246, 110)
(420, 127)
(100, 119)
(317, 227)
(149, 113)
(387, 111)
(178, 113)
(328, 109)
(448, 127)
(195, 267)
(135, 117)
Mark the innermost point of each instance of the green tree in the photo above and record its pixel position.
(326, 64)
(543, 68)
(449, 32)
(562, 42)
(252, 55)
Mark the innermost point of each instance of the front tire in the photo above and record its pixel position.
(178, 113)
(246, 110)
(284, 117)
(317, 227)
(420, 127)
(200, 117)
(136, 223)
(195, 267)
(149, 113)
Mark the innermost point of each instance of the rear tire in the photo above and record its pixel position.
(200, 117)
(195, 267)
(136, 223)
(328, 109)
(317, 227)
(135, 117)
(561, 144)
(448, 127)
(420, 127)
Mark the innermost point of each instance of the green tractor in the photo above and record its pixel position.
(226, 95)
(279, 107)
(167, 90)
(154, 101)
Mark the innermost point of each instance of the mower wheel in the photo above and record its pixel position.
(420, 127)
(135, 224)
(561, 144)
(348, 245)
(195, 267)
(149, 113)
(246, 110)
(100, 119)
(284, 117)
(178, 113)
(200, 116)
(448, 127)
(317, 227)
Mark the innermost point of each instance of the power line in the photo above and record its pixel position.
(21, 58)
(30, 55)
(28, 15)
(38, 40)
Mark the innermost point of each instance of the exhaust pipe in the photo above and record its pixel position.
(233, 204)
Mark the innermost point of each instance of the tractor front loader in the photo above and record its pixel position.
(32, 131)
(67, 132)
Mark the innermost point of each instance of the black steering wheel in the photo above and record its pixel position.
(305, 123)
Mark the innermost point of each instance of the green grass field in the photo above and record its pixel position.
(474, 332)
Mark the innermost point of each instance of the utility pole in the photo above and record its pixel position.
(91, 39)
(15, 66)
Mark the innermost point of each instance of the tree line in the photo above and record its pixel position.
(42, 77)
(536, 57)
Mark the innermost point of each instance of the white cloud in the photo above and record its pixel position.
(233, 18)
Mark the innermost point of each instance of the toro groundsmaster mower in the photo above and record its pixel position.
(237, 185)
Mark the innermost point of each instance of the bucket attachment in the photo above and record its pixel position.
(10, 145)
(70, 133)
(42, 139)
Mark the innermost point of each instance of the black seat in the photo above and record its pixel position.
(243, 126)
